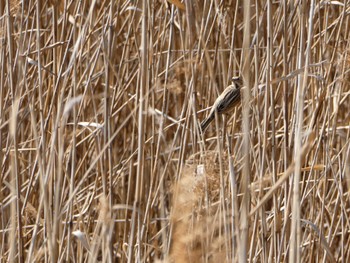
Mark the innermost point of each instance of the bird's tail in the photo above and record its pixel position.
(206, 122)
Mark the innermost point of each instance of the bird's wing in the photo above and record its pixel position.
(228, 100)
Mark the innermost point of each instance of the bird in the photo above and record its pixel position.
(226, 102)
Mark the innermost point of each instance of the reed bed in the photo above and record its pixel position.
(102, 158)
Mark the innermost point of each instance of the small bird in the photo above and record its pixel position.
(225, 102)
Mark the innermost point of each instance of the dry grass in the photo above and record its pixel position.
(101, 155)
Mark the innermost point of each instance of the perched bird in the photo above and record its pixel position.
(225, 102)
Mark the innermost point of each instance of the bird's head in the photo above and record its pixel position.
(238, 81)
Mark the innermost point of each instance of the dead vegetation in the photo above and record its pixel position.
(101, 154)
